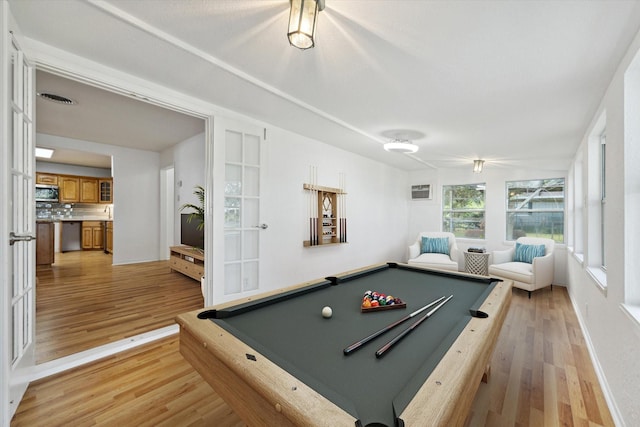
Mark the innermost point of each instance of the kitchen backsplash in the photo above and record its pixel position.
(73, 210)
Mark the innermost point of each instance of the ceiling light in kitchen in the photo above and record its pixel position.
(44, 153)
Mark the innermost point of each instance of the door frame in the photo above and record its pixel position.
(87, 72)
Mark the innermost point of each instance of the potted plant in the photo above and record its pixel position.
(198, 210)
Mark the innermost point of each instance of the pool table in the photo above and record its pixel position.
(278, 362)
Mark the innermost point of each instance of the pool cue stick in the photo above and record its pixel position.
(356, 345)
(404, 333)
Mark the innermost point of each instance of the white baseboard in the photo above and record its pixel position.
(604, 385)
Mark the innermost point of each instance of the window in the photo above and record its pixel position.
(463, 210)
(535, 208)
(603, 193)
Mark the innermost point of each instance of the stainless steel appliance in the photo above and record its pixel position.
(71, 236)
(47, 193)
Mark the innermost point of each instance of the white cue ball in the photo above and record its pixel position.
(327, 312)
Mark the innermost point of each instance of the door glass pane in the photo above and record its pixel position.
(233, 180)
(232, 211)
(25, 325)
(252, 149)
(250, 276)
(251, 244)
(232, 248)
(251, 213)
(232, 279)
(15, 72)
(16, 143)
(15, 321)
(233, 145)
(251, 181)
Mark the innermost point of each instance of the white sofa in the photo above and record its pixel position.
(529, 277)
(435, 260)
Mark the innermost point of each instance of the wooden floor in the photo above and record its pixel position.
(541, 376)
(83, 301)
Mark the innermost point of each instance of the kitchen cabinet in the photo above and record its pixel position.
(105, 190)
(79, 189)
(69, 189)
(92, 235)
(46, 178)
(88, 190)
(45, 254)
(108, 244)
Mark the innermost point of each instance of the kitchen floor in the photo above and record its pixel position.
(82, 301)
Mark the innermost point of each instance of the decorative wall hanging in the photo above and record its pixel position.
(327, 212)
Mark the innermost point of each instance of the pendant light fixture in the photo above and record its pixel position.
(302, 22)
(401, 146)
(478, 165)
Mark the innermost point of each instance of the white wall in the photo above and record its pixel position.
(614, 336)
(64, 169)
(136, 188)
(426, 215)
(376, 203)
(188, 160)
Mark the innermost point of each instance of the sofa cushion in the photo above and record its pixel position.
(435, 261)
(437, 245)
(526, 253)
(520, 271)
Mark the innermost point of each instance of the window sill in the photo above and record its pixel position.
(579, 257)
(600, 279)
(633, 311)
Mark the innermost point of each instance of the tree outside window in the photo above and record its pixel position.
(535, 208)
(463, 210)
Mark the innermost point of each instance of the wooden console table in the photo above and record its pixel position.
(188, 261)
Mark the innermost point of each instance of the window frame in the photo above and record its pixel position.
(452, 211)
(511, 211)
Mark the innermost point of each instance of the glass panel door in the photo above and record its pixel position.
(242, 212)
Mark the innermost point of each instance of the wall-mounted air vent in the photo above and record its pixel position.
(422, 191)
(58, 99)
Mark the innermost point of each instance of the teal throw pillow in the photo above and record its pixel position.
(526, 253)
(437, 245)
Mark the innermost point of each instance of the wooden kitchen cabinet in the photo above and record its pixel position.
(108, 244)
(105, 190)
(45, 253)
(88, 190)
(69, 189)
(92, 235)
(46, 178)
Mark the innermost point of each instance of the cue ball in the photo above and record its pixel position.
(327, 312)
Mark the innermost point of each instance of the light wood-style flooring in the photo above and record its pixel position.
(541, 376)
(82, 301)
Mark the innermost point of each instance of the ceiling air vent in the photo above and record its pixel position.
(56, 98)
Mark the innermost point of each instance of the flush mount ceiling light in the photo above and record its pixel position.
(478, 165)
(58, 99)
(44, 153)
(302, 22)
(401, 146)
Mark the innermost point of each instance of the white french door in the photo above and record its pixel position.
(241, 147)
(20, 163)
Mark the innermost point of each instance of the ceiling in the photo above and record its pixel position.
(105, 117)
(515, 83)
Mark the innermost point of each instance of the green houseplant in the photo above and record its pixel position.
(198, 210)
